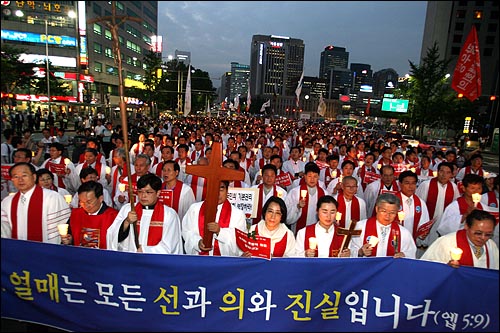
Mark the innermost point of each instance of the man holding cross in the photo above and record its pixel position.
(323, 239)
(208, 228)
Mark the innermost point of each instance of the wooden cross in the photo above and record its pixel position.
(348, 233)
(214, 173)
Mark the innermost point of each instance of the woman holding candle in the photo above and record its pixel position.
(273, 226)
(474, 242)
(322, 239)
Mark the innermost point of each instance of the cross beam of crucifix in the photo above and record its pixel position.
(348, 233)
(214, 173)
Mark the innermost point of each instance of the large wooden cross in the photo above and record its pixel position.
(348, 233)
(214, 173)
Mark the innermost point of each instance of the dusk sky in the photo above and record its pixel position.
(384, 34)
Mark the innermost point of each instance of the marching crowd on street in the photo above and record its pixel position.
(318, 182)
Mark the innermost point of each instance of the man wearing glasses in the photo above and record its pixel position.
(151, 227)
(471, 246)
(89, 224)
(382, 235)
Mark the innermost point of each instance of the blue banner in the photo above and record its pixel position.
(81, 289)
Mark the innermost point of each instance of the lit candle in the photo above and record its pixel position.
(303, 194)
(456, 253)
(338, 216)
(340, 178)
(121, 187)
(476, 197)
(313, 243)
(413, 170)
(401, 216)
(334, 174)
(68, 198)
(373, 241)
(486, 174)
(379, 166)
(434, 173)
(361, 163)
(12, 193)
(63, 229)
(67, 161)
(108, 170)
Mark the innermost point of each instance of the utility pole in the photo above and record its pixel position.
(113, 22)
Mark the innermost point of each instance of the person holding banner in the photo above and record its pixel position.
(88, 224)
(228, 218)
(382, 235)
(175, 193)
(33, 213)
(471, 246)
(159, 228)
(272, 225)
(322, 239)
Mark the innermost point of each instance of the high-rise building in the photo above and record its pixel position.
(225, 87)
(239, 80)
(276, 64)
(448, 23)
(183, 56)
(80, 49)
(384, 81)
(332, 57)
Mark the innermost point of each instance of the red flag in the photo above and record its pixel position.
(467, 74)
(367, 111)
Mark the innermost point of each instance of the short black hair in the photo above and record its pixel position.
(149, 179)
(92, 186)
(282, 205)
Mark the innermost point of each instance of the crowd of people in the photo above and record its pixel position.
(324, 190)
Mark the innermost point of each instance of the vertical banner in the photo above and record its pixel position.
(467, 75)
(187, 98)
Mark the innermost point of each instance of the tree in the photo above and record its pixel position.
(15, 75)
(432, 101)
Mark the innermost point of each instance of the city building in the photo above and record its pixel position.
(183, 56)
(276, 64)
(239, 80)
(75, 37)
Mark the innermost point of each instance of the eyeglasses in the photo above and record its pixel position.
(383, 211)
(485, 234)
(275, 212)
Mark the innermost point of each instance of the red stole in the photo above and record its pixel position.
(468, 170)
(176, 194)
(54, 167)
(116, 177)
(279, 247)
(194, 186)
(159, 168)
(301, 223)
(417, 213)
(371, 230)
(155, 231)
(35, 209)
(463, 205)
(463, 244)
(355, 215)
(432, 196)
(193, 155)
(186, 161)
(93, 227)
(224, 219)
(334, 245)
(98, 167)
(492, 199)
(261, 202)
